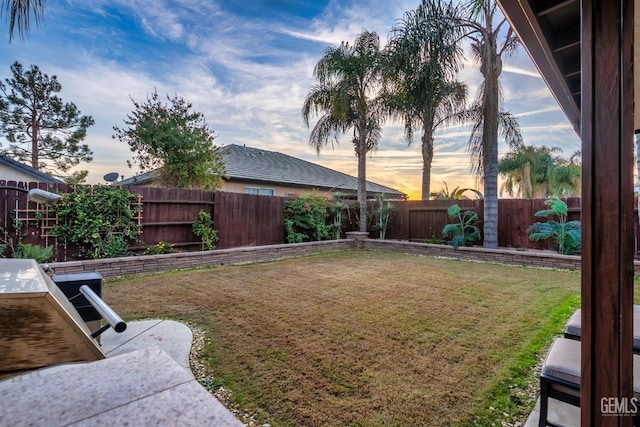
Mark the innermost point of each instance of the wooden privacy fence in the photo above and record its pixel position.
(250, 220)
(167, 216)
(241, 219)
(424, 219)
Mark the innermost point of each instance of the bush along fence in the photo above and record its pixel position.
(161, 220)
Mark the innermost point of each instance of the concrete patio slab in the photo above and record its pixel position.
(171, 336)
(144, 387)
(560, 413)
(145, 380)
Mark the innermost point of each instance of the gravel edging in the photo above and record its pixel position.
(202, 374)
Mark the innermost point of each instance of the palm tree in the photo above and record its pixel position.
(423, 58)
(527, 171)
(566, 179)
(455, 194)
(535, 172)
(19, 12)
(348, 81)
(486, 111)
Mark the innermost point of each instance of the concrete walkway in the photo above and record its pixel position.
(144, 381)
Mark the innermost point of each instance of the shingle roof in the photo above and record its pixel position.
(254, 164)
(244, 163)
(36, 174)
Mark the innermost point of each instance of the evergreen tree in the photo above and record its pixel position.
(42, 129)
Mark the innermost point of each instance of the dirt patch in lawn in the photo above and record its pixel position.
(356, 337)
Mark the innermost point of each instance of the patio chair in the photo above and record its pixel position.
(560, 379)
(573, 329)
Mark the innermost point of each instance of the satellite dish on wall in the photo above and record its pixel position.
(111, 177)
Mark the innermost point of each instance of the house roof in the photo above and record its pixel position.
(28, 170)
(270, 167)
(246, 164)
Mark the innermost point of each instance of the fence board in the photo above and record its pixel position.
(248, 220)
(168, 215)
(427, 218)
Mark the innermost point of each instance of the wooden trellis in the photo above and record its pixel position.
(47, 219)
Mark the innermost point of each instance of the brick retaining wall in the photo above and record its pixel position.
(500, 256)
(111, 267)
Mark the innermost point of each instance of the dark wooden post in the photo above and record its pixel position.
(607, 209)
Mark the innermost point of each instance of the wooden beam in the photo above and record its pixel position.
(556, 7)
(607, 209)
(524, 21)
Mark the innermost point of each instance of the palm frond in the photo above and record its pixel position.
(475, 146)
(19, 14)
(325, 130)
(509, 128)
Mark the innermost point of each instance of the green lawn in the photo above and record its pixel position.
(365, 338)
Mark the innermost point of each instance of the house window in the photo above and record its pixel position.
(260, 191)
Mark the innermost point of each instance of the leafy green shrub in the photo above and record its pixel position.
(20, 250)
(304, 219)
(336, 206)
(465, 231)
(567, 235)
(92, 217)
(115, 247)
(8, 242)
(37, 252)
(203, 228)
(435, 241)
(382, 213)
(160, 248)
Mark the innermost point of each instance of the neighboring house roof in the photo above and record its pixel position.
(255, 164)
(26, 172)
(246, 164)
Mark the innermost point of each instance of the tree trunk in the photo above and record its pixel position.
(491, 204)
(427, 158)
(491, 67)
(35, 131)
(362, 178)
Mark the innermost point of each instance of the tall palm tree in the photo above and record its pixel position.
(346, 92)
(19, 14)
(423, 59)
(484, 32)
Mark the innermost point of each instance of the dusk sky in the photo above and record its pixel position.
(248, 66)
